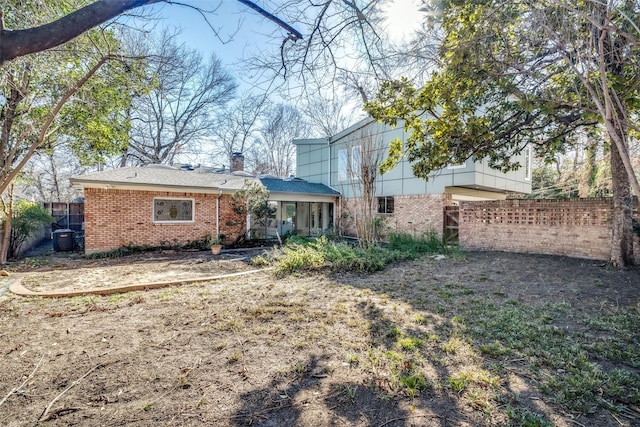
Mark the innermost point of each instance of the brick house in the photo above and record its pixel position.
(159, 204)
(407, 203)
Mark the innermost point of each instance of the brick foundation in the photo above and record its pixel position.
(414, 214)
(578, 228)
(115, 218)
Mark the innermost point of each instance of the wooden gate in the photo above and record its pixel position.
(451, 216)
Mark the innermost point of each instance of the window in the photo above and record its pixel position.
(457, 165)
(528, 160)
(172, 210)
(356, 161)
(342, 165)
(385, 205)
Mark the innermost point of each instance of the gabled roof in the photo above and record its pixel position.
(296, 185)
(166, 177)
(163, 177)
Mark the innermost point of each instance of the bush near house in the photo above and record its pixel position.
(318, 253)
(28, 218)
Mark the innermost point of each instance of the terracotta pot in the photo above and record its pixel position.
(216, 249)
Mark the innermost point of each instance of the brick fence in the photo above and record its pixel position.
(578, 228)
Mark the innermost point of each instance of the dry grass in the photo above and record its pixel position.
(421, 343)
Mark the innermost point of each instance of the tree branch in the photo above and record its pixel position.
(293, 32)
(14, 44)
(23, 42)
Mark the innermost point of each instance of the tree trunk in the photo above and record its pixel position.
(4, 251)
(622, 227)
(7, 209)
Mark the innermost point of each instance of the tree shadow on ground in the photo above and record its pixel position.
(309, 393)
(312, 399)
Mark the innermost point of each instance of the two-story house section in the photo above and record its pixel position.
(408, 203)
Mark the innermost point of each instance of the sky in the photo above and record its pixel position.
(245, 32)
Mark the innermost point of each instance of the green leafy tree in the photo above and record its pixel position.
(253, 199)
(75, 96)
(523, 72)
(28, 219)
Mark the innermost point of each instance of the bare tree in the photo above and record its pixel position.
(367, 152)
(46, 176)
(237, 127)
(328, 115)
(178, 110)
(276, 153)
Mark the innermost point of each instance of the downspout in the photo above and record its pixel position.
(329, 163)
(218, 214)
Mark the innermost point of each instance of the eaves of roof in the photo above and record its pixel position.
(164, 178)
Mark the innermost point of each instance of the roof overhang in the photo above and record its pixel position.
(111, 185)
(277, 196)
(475, 193)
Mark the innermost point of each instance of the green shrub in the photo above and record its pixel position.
(27, 219)
(301, 253)
(429, 242)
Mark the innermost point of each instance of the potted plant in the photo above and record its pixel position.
(216, 245)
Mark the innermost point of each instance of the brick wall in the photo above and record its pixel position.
(115, 218)
(578, 228)
(412, 214)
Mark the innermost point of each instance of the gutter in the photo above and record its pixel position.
(111, 185)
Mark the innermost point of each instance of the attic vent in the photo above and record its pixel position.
(295, 179)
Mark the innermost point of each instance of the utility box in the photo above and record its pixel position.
(64, 240)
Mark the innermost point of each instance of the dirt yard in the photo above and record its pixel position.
(385, 349)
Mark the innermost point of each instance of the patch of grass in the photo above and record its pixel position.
(353, 359)
(616, 336)
(460, 381)
(523, 417)
(410, 344)
(454, 345)
(116, 298)
(413, 383)
(166, 295)
(234, 357)
(419, 318)
(393, 332)
(261, 261)
(495, 349)
(229, 325)
(427, 243)
(561, 360)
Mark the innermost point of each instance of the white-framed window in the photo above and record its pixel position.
(342, 165)
(457, 165)
(356, 160)
(528, 162)
(169, 210)
(385, 205)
